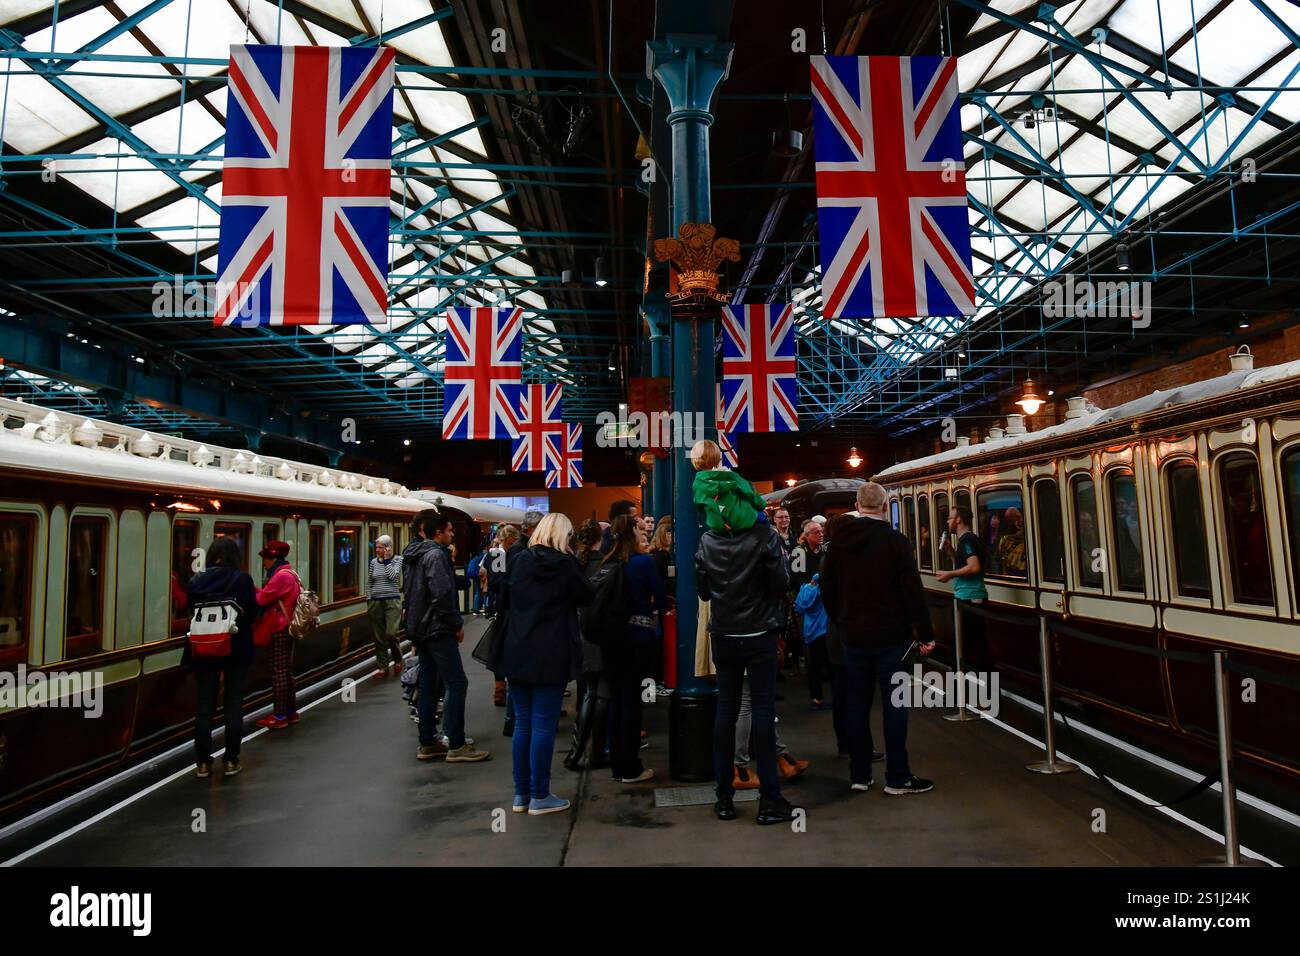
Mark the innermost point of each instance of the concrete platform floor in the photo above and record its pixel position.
(343, 788)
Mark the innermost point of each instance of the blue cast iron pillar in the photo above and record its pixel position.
(690, 67)
(661, 476)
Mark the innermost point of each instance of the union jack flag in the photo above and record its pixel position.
(891, 187)
(568, 473)
(305, 186)
(541, 429)
(729, 456)
(480, 389)
(758, 369)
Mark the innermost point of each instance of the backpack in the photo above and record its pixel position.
(604, 621)
(212, 624)
(306, 612)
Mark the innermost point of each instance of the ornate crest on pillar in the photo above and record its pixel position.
(696, 254)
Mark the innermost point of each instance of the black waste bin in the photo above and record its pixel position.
(690, 737)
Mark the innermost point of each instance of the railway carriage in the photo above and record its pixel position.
(99, 526)
(1168, 522)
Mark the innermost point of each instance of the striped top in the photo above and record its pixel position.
(385, 579)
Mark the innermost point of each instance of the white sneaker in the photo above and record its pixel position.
(862, 786)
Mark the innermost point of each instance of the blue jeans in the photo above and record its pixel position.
(732, 656)
(440, 657)
(537, 713)
(863, 668)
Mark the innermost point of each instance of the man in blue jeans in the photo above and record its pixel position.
(744, 578)
(873, 593)
(435, 627)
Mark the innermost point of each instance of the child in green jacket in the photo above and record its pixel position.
(729, 503)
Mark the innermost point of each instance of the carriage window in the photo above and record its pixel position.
(893, 513)
(374, 536)
(1088, 540)
(316, 559)
(15, 586)
(961, 499)
(1187, 522)
(1002, 530)
(1051, 531)
(347, 561)
(185, 538)
(909, 519)
(237, 531)
(1291, 505)
(270, 532)
(941, 527)
(923, 521)
(83, 621)
(1246, 530)
(1127, 531)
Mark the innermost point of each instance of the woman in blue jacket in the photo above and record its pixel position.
(223, 579)
(630, 660)
(809, 604)
(540, 653)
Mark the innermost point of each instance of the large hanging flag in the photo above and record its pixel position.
(568, 473)
(759, 392)
(891, 187)
(541, 429)
(729, 456)
(305, 186)
(480, 390)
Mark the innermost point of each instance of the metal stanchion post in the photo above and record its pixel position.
(1231, 839)
(1051, 764)
(962, 712)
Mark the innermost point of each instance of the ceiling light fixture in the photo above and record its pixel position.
(1123, 261)
(600, 278)
(1030, 400)
(854, 460)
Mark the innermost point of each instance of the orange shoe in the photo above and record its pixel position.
(790, 767)
(746, 779)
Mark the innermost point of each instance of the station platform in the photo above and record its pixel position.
(343, 788)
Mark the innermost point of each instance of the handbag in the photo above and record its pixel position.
(488, 648)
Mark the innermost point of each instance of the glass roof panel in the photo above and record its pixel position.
(36, 116)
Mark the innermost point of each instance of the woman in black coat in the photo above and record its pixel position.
(540, 653)
(223, 579)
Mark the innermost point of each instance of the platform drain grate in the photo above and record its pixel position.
(696, 796)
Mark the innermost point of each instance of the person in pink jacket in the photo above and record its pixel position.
(278, 598)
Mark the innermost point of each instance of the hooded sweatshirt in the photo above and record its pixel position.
(542, 644)
(729, 503)
(870, 587)
(432, 607)
(219, 582)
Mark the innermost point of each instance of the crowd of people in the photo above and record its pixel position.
(842, 606)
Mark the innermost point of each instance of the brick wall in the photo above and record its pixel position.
(1274, 349)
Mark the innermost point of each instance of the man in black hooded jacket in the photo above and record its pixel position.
(435, 627)
(744, 578)
(873, 594)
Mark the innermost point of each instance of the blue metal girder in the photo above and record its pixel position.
(1038, 162)
(405, 28)
(124, 133)
(60, 63)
